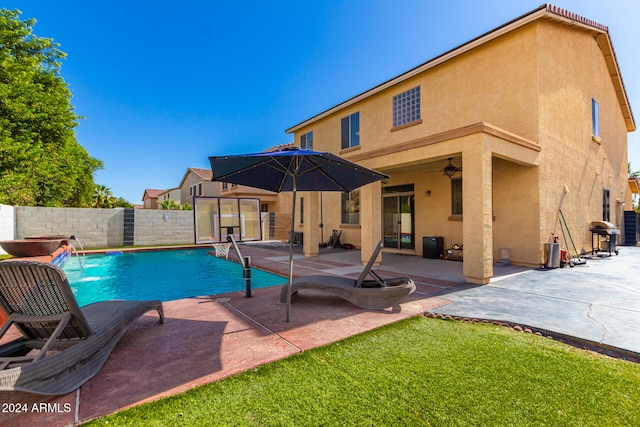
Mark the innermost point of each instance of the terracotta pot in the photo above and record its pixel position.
(64, 237)
(30, 247)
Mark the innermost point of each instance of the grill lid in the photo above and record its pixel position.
(604, 227)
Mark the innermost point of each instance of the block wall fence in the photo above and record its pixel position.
(100, 228)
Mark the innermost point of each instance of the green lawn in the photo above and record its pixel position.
(421, 371)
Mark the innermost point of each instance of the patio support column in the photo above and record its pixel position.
(311, 227)
(370, 220)
(477, 208)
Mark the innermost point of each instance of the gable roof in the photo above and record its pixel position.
(152, 193)
(546, 11)
(203, 174)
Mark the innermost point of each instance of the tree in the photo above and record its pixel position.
(102, 197)
(41, 162)
(121, 202)
(169, 204)
(634, 197)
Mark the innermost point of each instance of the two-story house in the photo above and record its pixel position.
(197, 182)
(484, 145)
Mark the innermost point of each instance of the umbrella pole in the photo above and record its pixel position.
(291, 234)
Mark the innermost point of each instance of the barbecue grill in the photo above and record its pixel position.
(605, 235)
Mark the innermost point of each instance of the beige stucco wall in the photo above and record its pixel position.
(516, 113)
(209, 188)
(571, 74)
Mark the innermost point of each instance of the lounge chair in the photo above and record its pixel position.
(62, 345)
(373, 294)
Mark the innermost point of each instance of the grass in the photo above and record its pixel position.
(416, 372)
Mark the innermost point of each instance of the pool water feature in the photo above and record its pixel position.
(165, 275)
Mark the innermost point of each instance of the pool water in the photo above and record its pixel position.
(164, 275)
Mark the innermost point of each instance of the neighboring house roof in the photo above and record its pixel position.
(152, 193)
(168, 191)
(634, 184)
(545, 11)
(204, 174)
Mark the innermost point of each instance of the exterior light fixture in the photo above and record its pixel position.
(451, 170)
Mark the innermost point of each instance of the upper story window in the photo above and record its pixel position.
(406, 107)
(350, 131)
(595, 120)
(306, 141)
(225, 185)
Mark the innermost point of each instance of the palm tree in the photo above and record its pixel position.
(102, 196)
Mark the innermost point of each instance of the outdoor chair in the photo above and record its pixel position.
(62, 345)
(334, 240)
(373, 294)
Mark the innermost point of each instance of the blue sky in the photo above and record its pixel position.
(163, 85)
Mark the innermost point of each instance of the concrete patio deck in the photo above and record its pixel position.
(208, 338)
(212, 337)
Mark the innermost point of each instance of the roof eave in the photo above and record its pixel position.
(549, 11)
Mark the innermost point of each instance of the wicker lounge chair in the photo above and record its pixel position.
(373, 294)
(62, 346)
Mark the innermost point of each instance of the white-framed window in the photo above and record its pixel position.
(456, 196)
(350, 131)
(225, 185)
(406, 107)
(306, 141)
(595, 119)
(351, 207)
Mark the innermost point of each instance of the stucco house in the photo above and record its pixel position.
(150, 198)
(197, 182)
(527, 119)
(171, 194)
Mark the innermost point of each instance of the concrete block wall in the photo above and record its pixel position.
(101, 228)
(94, 228)
(163, 227)
(104, 228)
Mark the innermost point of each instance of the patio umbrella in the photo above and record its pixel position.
(292, 169)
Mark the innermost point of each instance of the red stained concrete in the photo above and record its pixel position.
(209, 338)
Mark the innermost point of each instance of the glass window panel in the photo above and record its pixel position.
(250, 219)
(344, 132)
(595, 118)
(206, 212)
(350, 207)
(406, 107)
(456, 196)
(355, 129)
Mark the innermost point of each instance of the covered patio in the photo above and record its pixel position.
(500, 192)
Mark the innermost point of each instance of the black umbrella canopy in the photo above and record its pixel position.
(275, 171)
(292, 169)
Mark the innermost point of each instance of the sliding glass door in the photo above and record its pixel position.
(398, 217)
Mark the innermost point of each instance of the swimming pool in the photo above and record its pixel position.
(165, 275)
